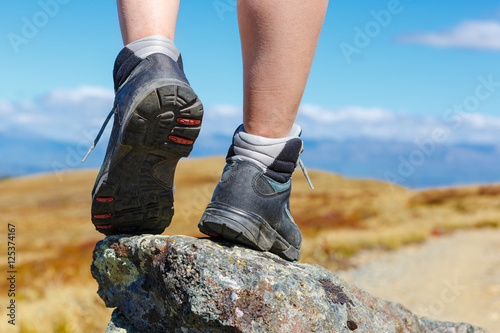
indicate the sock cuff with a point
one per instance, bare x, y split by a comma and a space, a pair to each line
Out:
263, 141
277, 157
154, 44
132, 55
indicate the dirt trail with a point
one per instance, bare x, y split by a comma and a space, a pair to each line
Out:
450, 278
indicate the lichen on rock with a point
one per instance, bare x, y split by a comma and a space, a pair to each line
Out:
186, 284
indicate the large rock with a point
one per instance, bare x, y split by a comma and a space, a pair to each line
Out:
185, 284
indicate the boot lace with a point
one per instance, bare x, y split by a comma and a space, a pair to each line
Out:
103, 127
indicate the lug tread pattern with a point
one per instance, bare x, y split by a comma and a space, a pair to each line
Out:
142, 203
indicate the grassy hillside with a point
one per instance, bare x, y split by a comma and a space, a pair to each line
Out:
55, 238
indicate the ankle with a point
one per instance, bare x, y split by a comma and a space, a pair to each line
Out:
277, 157
154, 44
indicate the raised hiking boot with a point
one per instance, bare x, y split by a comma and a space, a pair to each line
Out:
250, 205
157, 117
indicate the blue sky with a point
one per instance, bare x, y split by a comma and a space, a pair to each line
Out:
77, 47
409, 68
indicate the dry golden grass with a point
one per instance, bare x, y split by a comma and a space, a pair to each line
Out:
54, 243
55, 238
63, 308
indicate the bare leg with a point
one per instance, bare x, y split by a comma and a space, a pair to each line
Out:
157, 123
143, 18
278, 40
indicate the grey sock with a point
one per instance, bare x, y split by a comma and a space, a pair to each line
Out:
271, 154
154, 44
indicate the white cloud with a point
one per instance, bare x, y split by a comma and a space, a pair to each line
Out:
478, 35
6, 108
354, 122
83, 94
220, 119
226, 110
480, 122
347, 113
63, 114
75, 115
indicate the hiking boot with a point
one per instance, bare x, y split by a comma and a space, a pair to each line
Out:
250, 205
157, 117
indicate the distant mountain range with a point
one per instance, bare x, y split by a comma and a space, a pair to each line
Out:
403, 163
53, 132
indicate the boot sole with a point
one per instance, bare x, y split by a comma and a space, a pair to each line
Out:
136, 195
235, 225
